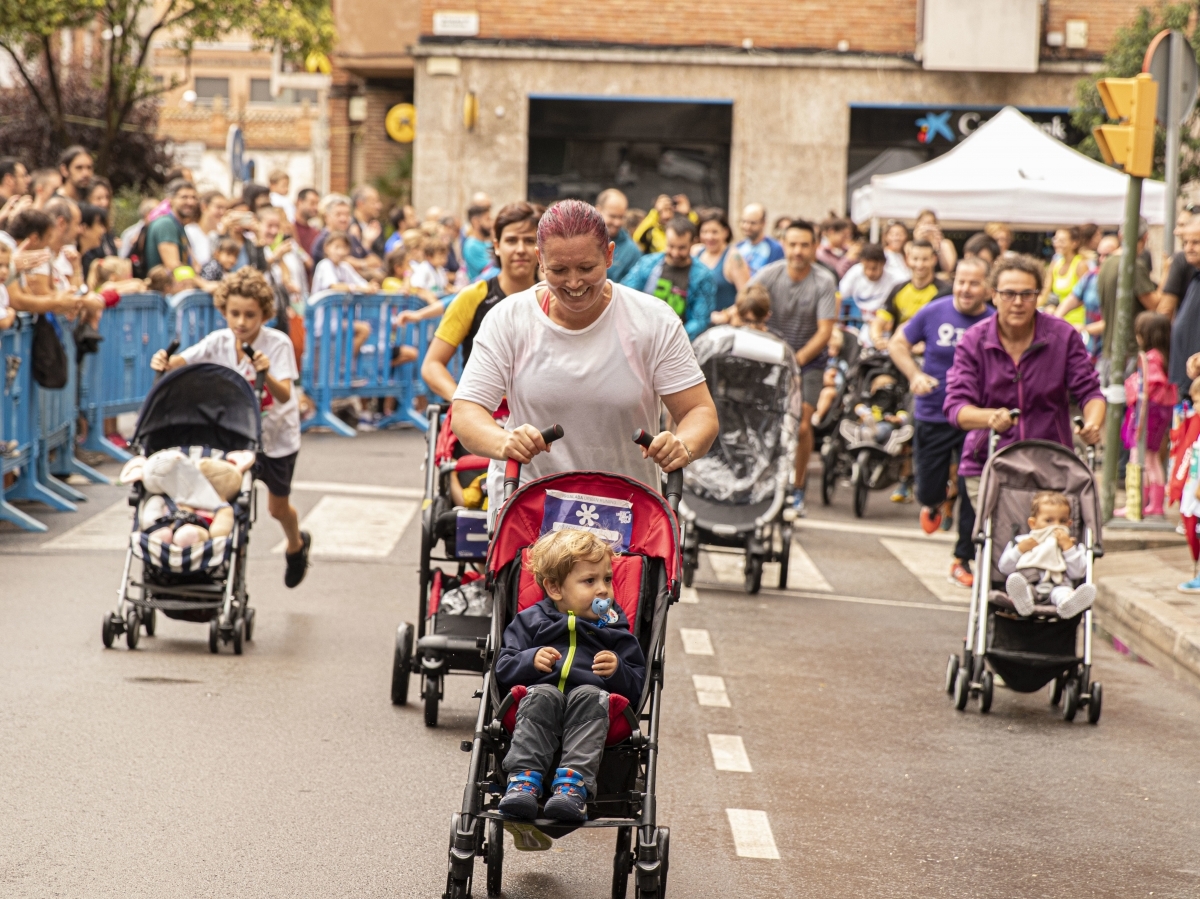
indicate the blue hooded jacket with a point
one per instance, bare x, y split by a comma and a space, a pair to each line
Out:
578, 640
702, 290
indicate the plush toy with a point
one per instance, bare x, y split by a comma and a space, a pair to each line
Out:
222, 523
131, 472
224, 477
242, 460
172, 473
189, 535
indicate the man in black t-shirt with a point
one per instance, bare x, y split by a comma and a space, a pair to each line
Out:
1181, 301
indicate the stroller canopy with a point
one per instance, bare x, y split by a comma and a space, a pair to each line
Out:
1015, 473
754, 381
653, 529
200, 405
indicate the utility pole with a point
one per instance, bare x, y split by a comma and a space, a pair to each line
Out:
1129, 144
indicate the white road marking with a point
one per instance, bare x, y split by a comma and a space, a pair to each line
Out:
729, 753
803, 573
729, 568
344, 489
752, 837
866, 600
710, 691
107, 529
345, 527
689, 595
931, 564
696, 641
874, 530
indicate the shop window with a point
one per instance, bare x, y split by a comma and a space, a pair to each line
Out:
260, 92
208, 89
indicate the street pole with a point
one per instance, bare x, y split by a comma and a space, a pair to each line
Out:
1178, 46
1114, 392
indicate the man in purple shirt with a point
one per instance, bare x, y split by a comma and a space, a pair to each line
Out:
1019, 359
940, 325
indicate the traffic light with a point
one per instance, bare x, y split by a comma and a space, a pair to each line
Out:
1131, 143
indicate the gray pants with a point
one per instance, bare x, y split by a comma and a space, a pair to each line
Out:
547, 719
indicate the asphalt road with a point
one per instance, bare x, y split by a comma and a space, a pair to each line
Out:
286, 772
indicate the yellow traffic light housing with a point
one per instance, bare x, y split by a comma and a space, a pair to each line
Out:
1131, 143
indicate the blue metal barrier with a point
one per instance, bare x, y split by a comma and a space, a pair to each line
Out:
18, 437
117, 378
330, 370
57, 416
192, 317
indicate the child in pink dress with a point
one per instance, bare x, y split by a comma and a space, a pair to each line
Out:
1149, 401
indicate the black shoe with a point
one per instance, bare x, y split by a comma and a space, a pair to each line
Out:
297, 562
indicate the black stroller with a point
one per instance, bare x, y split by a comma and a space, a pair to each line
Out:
645, 583
1028, 653
870, 454
204, 410
735, 495
455, 608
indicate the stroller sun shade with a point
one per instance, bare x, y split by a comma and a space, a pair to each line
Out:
200, 405
754, 383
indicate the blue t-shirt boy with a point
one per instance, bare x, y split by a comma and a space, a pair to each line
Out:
940, 326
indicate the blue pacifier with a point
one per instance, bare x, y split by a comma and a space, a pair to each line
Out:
601, 607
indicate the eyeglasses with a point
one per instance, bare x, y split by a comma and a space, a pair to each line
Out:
1009, 296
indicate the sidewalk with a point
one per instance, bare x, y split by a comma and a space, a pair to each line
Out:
1137, 602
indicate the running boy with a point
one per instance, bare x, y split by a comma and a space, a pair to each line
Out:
246, 301
1048, 557
571, 650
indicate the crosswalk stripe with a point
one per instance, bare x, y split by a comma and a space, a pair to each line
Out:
341, 488
710, 691
107, 529
803, 573
873, 530
689, 595
930, 563
355, 527
696, 641
752, 837
729, 753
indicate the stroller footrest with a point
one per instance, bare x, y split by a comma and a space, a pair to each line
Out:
437, 644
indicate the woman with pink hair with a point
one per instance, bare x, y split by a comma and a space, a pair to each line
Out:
597, 358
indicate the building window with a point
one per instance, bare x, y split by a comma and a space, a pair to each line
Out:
260, 92
207, 89
579, 146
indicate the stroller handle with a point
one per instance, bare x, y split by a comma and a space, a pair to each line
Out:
994, 437
674, 489
171, 348
1089, 449
512, 469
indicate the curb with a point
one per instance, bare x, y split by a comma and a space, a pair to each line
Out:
1150, 627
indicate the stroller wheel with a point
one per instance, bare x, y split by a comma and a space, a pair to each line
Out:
828, 477
150, 620
622, 862
664, 856
108, 630
432, 688
1070, 700
986, 684
754, 566
951, 674
1094, 703
495, 856
962, 689
1056, 691
239, 634
249, 625
785, 555
402, 664
214, 635
133, 628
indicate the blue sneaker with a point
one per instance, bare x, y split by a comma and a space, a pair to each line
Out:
569, 802
798, 502
1192, 586
521, 798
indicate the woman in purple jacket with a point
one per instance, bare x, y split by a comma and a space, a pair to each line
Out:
1019, 359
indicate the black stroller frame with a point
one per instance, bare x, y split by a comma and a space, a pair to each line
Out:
1027, 652
217, 596
845, 456
626, 781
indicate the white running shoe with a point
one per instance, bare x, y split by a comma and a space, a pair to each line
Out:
1079, 601
1018, 591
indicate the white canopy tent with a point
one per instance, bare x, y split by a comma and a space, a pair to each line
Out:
1009, 170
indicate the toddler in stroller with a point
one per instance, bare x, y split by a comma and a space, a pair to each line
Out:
1048, 556
566, 705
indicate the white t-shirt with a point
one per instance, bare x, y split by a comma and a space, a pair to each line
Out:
4, 304
280, 201
281, 426
601, 383
199, 243
869, 295
424, 276
327, 274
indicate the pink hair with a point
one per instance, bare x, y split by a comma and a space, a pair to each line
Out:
572, 218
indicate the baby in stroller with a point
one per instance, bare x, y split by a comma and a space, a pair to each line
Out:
884, 411
547, 648
1041, 564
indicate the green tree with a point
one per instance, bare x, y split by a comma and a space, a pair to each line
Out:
29, 32
1124, 60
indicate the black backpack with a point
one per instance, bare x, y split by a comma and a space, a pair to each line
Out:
49, 357
137, 255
